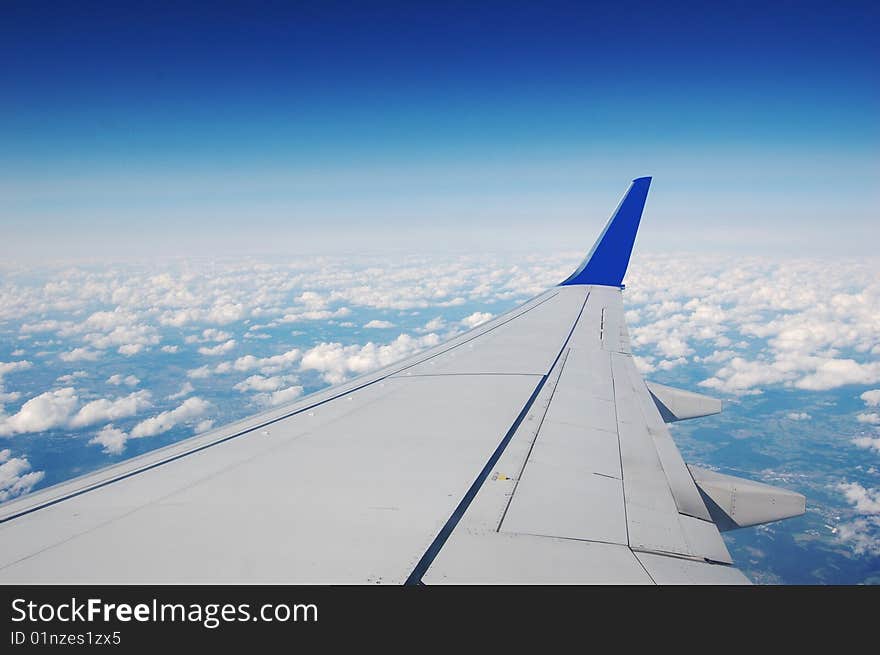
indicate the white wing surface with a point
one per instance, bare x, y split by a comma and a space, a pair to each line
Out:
528, 450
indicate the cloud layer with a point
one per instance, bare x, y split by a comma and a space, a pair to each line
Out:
115, 356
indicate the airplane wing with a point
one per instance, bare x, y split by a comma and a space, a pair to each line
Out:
528, 450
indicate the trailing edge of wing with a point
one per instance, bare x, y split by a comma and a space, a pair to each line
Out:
606, 263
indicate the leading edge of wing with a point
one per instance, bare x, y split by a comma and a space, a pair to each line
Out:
607, 261
128, 467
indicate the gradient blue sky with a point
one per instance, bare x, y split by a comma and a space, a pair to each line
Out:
335, 127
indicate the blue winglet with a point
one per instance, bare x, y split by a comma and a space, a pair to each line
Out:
607, 261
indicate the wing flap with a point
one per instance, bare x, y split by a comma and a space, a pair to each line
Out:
504, 558
666, 570
737, 502
653, 472
680, 404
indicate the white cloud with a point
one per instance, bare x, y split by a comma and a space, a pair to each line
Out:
278, 397
266, 365
668, 364
873, 418
871, 398
260, 383
108, 321
673, 346
221, 293
862, 534
70, 378
130, 349
124, 336
104, 409
866, 501
271, 389
337, 362
798, 416
112, 439
475, 319
223, 313
60, 408
717, 357
170, 349
314, 315
219, 349
190, 409
379, 324
199, 373
869, 443
203, 426
7, 397
50, 325
81, 354
48, 410
186, 389
312, 299
833, 373
434, 325
9, 367
16, 477
213, 334
128, 380
180, 317
209, 334
809, 325
644, 364
740, 375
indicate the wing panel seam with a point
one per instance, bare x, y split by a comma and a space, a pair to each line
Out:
532, 445
424, 563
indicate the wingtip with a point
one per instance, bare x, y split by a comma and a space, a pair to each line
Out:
608, 260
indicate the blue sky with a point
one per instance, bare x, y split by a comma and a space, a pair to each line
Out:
333, 127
